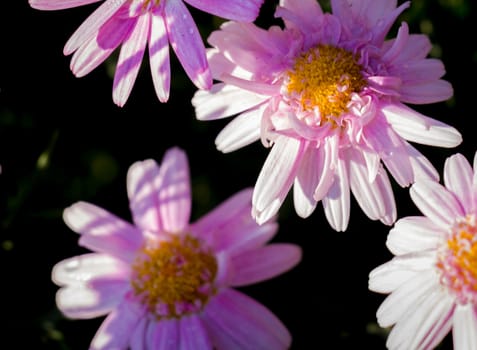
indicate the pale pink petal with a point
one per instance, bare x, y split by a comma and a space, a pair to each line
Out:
427, 92
94, 51
416, 127
276, 177
160, 197
391, 275
308, 177
424, 325
375, 198
102, 231
91, 26
428, 69
163, 335
223, 101
325, 159
84, 268
58, 4
159, 59
458, 177
115, 331
421, 166
130, 59
247, 323
392, 150
417, 46
436, 202
241, 131
336, 203
193, 334
186, 42
465, 324
243, 11
82, 302
413, 234
407, 296
299, 13
264, 263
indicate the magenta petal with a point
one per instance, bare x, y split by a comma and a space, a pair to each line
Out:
163, 335
115, 331
264, 263
245, 322
193, 334
187, 43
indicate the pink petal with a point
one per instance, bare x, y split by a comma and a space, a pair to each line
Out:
193, 334
458, 177
138, 335
436, 202
82, 269
375, 197
242, 11
336, 203
160, 197
115, 331
421, 166
130, 58
241, 131
92, 25
276, 177
94, 51
58, 4
102, 231
223, 101
159, 58
307, 179
427, 92
416, 127
163, 335
264, 263
187, 43
234, 318
301, 13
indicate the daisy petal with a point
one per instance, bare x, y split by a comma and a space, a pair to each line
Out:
458, 177
465, 324
101, 231
58, 5
264, 263
241, 11
436, 202
193, 335
129, 61
258, 328
164, 335
186, 42
116, 329
159, 58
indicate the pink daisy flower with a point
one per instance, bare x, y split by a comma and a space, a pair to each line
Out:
135, 24
165, 283
329, 93
432, 280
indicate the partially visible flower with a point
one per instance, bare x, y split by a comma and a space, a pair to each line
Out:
432, 280
329, 93
165, 283
135, 24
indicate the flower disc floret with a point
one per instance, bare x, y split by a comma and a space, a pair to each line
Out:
324, 78
457, 260
174, 278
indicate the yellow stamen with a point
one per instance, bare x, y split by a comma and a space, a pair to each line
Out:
174, 277
324, 78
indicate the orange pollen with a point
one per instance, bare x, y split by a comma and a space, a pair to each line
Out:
324, 78
457, 260
175, 277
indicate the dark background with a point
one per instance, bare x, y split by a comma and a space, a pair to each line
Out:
62, 140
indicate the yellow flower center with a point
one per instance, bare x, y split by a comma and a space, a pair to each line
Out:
324, 79
175, 277
457, 260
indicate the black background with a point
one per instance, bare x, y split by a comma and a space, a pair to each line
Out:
62, 140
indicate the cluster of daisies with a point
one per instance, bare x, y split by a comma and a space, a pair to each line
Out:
328, 93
